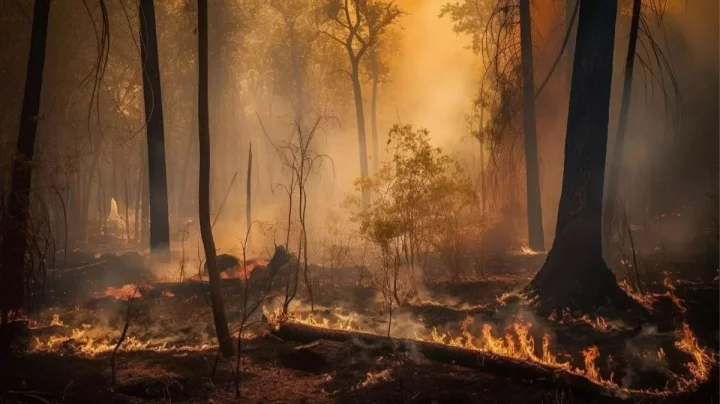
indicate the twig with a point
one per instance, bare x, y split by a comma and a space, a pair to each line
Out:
222, 205
122, 337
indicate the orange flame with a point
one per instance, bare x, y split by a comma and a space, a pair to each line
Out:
124, 293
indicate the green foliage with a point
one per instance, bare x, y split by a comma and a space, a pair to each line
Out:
415, 196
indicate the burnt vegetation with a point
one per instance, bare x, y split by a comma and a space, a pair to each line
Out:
340, 201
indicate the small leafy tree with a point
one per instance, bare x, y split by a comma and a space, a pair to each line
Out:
417, 198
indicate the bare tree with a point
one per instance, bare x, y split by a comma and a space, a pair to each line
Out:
159, 226
14, 240
218, 308
356, 25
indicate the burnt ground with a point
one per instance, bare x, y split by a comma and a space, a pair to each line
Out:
175, 355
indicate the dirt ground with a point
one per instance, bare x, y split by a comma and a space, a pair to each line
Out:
179, 353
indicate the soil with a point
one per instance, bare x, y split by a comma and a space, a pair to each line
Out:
178, 365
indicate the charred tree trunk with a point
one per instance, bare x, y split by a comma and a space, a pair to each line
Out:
360, 112
218, 308
536, 237
159, 222
574, 274
373, 109
570, 48
616, 162
14, 241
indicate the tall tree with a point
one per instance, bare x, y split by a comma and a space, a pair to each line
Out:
14, 240
359, 24
536, 237
159, 226
218, 307
574, 274
612, 186
375, 75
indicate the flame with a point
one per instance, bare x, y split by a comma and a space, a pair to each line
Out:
661, 354
87, 342
168, 293
667, 282
646, 300
702, 361
56, 321
374, 378
525, 250
124, 293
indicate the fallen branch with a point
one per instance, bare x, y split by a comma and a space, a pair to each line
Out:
484, 361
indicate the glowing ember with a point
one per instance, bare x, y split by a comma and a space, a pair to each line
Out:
168, 293
124, 293
374, 378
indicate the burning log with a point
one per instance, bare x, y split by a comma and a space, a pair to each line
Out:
446, 354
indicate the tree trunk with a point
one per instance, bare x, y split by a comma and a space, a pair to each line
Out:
159, 222
574, 274
373, 111
218, 308
14, 241
536, 237
359, 110
616, 162
570, 48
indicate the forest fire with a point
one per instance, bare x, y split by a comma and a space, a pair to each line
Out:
454, 201
518, 344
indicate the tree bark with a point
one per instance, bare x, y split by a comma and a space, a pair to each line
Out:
360, 112
218, 308
570, 48
14, 241
616, 162
373, 110
574, 274
159, 221
536, 238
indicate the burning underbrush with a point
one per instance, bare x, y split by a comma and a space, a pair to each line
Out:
432, 326
648, 364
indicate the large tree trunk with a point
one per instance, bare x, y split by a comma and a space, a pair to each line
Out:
536, 237
159, 222
218, 308
616, 162
360, 112
14, 241
373, 110
574, 274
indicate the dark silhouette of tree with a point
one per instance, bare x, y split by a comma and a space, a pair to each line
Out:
14, 240
159, 226
612, 186
536, 237
218, 307
575, 274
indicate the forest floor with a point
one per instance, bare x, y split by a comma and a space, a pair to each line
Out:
62, 353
